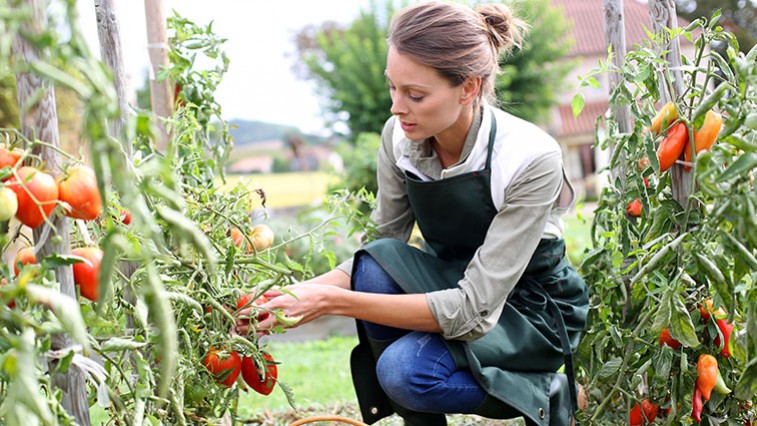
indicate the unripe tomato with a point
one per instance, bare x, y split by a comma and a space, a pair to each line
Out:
25, 256
252, 374
41, 186
262, 237
86, 274
79, 190
9, 157
8, 204
224, 366
237, 237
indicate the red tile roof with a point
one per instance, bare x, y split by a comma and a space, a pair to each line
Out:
568, 125
588, 24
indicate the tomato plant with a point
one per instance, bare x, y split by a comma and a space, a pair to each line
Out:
164, 282
667, 283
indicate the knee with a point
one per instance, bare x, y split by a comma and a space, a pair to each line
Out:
370, 277
405, 378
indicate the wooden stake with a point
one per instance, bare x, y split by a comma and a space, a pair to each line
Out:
663, 14
161, 93
40, 122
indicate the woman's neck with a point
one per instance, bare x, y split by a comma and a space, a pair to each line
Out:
449, 144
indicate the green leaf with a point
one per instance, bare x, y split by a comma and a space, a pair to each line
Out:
610, 368
65, 308
746, 388
118, 344
681, 326
188, 230
664, 312
740, 167
663, 362
577, 104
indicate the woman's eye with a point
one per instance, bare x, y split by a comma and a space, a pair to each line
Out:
414, 98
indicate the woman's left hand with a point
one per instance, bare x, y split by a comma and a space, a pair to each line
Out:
300, 304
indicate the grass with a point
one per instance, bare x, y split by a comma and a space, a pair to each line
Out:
284, 190
317, 371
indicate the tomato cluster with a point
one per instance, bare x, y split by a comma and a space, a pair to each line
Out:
226, 366
31, 194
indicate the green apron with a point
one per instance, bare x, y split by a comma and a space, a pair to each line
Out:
538, 329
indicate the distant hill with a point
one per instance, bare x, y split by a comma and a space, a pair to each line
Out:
248, 132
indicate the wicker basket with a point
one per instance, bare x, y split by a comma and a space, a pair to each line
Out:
338, 419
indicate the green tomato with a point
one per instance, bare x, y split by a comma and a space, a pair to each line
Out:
8, 204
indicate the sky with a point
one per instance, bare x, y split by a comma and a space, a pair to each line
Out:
260, 84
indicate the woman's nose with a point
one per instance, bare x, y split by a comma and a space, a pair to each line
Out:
398, 106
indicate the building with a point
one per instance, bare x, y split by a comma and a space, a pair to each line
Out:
576, 135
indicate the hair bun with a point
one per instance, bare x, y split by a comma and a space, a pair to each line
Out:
505, 30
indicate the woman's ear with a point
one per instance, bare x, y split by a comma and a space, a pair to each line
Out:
471, 89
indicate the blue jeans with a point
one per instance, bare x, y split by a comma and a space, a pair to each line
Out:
416, 370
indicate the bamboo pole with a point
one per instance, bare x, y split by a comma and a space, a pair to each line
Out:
663, 15
161, 95
615, 36
39, 121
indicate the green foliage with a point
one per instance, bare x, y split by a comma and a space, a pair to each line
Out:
532, 76
359, 164
652, 272
348, 66
739, 16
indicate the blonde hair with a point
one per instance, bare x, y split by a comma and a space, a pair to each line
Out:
456, 40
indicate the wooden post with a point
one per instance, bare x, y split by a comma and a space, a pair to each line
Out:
663, 15
40, 122
615, 36
161, 93
112, 54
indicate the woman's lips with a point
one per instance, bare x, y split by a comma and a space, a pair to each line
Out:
407, 126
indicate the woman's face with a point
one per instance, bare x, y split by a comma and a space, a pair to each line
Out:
425, 103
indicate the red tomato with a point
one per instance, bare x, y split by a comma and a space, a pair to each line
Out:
223, 365
25, 256
86, 274
11, 304
667, 339
125, 216
245, 301
634, 208
635, 417
79, 190
9, 157
251, 374
40, 185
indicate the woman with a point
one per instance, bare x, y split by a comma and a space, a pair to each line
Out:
480, 321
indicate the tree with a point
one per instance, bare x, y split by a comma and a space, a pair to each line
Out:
348, 66
739, 17
533, 75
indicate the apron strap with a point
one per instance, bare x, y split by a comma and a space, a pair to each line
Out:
492, 136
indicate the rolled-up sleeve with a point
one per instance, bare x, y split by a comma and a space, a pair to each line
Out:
471, 310
393, 215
